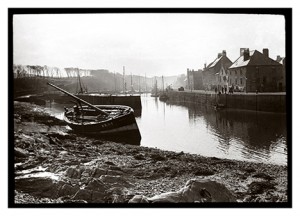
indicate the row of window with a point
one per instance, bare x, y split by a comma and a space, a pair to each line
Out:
236, 72
235, 81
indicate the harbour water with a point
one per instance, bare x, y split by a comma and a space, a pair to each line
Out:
233, 134
191, 128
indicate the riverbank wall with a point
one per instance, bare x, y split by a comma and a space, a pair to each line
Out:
257, 102
133, 101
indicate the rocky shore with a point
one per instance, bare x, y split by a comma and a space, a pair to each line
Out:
54, 165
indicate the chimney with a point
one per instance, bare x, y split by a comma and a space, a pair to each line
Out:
187, 70
219, 55
266, 52
246, 54
278, 59
204, 65
242, 51
224, 53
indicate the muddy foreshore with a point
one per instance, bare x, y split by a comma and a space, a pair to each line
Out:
53, 165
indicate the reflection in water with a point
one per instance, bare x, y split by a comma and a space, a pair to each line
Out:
196, 129
234, 134
257, 135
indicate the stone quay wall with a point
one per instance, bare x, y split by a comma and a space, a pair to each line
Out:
265, 102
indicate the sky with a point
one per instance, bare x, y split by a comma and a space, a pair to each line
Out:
151, 44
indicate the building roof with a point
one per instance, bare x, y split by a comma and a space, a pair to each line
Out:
255, 58
240, 61
282, 60
215, 62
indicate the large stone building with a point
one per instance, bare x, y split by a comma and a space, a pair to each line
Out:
215, 74
194, 79
255, 71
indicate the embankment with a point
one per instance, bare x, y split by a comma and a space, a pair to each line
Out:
265, 102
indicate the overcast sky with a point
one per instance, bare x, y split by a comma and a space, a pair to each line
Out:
155, 44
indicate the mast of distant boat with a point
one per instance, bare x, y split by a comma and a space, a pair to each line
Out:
155, 86
124, 82
162, 78
79, 82
115, 82
139, 83
131, 84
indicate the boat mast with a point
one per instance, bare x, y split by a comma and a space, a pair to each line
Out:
139, 83
162, 78
124, 82
79, 99
131, 83
115, 82
145, 83
155, 86
79, 82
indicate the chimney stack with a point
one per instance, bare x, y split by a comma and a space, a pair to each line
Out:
242, 51
224, 53
278, 59
204, 65
246, 54
266, 52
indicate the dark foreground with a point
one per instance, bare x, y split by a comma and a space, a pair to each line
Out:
53, 165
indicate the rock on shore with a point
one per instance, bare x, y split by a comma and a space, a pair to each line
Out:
53, 165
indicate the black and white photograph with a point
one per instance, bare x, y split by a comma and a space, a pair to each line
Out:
158, 107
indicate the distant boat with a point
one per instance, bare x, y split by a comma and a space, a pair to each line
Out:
154, 90
163, 96
110, 97
102, 120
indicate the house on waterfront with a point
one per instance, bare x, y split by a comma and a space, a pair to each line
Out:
255, 71
281, 60
194, 79
215, 74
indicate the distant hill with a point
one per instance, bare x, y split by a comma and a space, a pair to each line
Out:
100, 80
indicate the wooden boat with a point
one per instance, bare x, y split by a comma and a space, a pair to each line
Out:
114, 121
154, 90
163, 96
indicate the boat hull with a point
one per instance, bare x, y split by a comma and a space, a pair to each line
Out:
122, 127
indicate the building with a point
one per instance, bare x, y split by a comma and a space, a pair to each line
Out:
194, 79
255, 71
215, 75
281, 60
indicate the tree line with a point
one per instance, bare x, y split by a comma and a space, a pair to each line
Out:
21, 71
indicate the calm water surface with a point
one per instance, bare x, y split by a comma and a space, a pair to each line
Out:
232, 134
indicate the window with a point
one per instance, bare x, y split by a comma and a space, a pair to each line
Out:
241, 80
235, 72
236, 81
